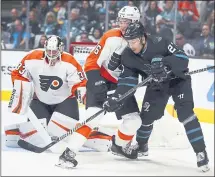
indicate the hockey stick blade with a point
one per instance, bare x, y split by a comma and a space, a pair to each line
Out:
30, 147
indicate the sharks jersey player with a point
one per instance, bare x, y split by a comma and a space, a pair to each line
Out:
149, 55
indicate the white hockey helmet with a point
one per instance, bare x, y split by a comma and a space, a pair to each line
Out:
130, 12
53, 49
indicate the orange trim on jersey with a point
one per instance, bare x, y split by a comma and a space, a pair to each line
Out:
106, 75
66, 57
19, 105
91, 61
124, 136
61, 126
81, 84
84, 130
33, 55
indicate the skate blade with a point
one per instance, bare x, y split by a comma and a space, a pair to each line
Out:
143, 154
204, 168
120, 155
65, 167
114, 153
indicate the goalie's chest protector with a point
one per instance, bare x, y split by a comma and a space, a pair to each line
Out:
51, 84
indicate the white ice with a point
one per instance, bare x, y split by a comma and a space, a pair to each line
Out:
161, 161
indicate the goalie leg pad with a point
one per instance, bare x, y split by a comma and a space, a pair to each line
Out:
24, 131
58, 125
131, 123
21, 97
99, 141
95, 122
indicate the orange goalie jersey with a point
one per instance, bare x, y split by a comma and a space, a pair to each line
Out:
112, 41
52, 84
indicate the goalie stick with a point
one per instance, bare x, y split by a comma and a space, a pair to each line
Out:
30, 147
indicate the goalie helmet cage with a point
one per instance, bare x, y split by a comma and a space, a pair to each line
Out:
168, 132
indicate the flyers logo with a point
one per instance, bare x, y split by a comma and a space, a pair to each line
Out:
52, 82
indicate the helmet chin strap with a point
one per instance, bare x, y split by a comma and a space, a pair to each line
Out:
144, 44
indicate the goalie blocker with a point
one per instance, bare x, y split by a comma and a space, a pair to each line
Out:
21, 97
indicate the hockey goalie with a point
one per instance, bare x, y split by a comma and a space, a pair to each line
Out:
47, 85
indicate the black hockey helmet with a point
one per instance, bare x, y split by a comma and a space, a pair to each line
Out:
134, 30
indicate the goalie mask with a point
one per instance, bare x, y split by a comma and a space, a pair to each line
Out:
53, 49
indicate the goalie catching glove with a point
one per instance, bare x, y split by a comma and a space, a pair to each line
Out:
112, 105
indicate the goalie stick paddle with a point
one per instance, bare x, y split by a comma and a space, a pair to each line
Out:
30, 147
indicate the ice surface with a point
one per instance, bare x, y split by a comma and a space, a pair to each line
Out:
161, 161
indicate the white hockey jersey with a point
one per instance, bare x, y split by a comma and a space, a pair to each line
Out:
112, 41
52, 84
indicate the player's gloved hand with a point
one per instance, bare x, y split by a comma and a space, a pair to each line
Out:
97, 85
112, 105
159, 71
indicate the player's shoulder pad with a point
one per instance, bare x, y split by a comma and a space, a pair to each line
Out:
35, 54
68, 58
155, 39
115, 32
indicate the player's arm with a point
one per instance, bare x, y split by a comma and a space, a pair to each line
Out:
21, 73
77, 80
23, 90
96, 83
176, 59
127, 80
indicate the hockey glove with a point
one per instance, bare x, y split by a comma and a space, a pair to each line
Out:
159, 71
111, 105
97, 85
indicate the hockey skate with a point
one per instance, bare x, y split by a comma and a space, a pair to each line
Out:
67, 160
128, 151
143, 150
202, 161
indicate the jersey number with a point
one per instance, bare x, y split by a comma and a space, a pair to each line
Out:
97, 49
21, 68
171, 48
81, 75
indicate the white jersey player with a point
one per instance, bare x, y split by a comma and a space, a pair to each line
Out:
102, 68
47, 82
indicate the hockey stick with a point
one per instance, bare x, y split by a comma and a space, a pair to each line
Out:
199, 70
38, 126
36, 149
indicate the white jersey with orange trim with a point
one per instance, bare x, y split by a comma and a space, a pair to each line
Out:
112, 41
52, 84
